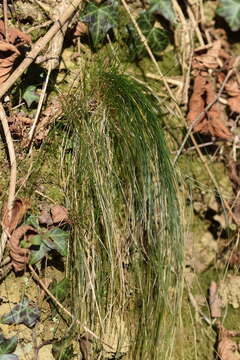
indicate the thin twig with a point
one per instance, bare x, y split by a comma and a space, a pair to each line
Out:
13, 175
39, 108
5, 16
46, 23
39, 46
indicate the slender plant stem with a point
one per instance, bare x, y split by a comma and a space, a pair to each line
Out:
5, 9
40, 104
39, 46
13, 175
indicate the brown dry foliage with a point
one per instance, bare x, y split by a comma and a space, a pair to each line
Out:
209, 123
10, 51
19, 255
214, 300
19, 209
227, 349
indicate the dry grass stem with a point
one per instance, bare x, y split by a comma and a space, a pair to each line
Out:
13, 175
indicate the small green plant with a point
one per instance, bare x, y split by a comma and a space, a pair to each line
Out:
22, 313
230, 11
30, 95
100, 19
45, 241
157, 39
7, 346
164, 8
105, 17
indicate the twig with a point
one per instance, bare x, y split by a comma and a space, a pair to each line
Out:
39, 108
195, 25
46, 23
5, 16
39, 46
196, 307
13, 175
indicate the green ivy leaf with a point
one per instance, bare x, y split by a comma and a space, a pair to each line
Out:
35, 240
22, 313
100, 19
38, 255
7, 345
30, 95
33, 221
164, 8
157, 38
230, 11
59, 238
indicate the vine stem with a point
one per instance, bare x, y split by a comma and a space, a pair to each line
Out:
13, 176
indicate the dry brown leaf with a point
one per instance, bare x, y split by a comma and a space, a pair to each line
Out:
214, 300
59, 214
210, 122
234, 103
232, 88
9, 49
19, 255
227, 349
20, 207
196, 103
208, 60
215, 126
80, 29
8, 55
45, 218
15, 36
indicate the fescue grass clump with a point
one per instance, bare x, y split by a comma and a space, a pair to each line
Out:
126, 248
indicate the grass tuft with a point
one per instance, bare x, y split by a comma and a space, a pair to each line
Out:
126, 251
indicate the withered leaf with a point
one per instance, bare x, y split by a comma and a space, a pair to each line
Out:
214, 300
234, 103
209, 122
19, 255
9, 50
19, 209
59, 214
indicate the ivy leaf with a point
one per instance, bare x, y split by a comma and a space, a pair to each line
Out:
22, 313
100, 19
59, 238
7, 345
157, 38
33, 221
38, 255
9, 357
30, 95
164, 8
230, 11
